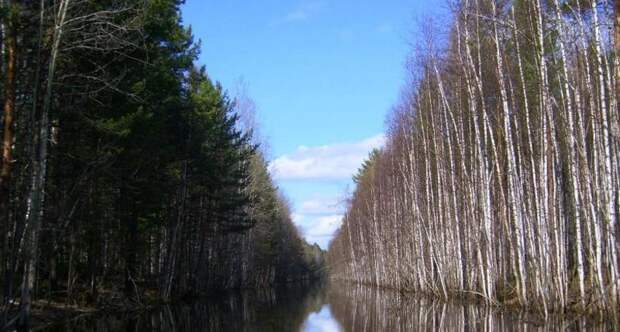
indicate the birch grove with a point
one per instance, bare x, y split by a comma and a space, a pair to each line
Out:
499, 179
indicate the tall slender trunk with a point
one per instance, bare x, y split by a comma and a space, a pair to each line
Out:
570, 149
36, 196
617, 49
609, 191
615, 118
512, 176
455, 213
9, 47
9, 112
483, 166
543, 244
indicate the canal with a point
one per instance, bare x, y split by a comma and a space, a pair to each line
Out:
334, 307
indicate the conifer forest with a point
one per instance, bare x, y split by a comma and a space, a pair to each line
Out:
125, 167
131, 178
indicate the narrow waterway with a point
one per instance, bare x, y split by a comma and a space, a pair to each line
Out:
334, 307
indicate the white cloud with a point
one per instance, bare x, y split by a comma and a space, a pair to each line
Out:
297, 218
319, 230
322, 321
302, 12
318, 217
321, 206
328, 162
324, 226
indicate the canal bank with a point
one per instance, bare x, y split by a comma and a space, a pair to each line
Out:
326, 307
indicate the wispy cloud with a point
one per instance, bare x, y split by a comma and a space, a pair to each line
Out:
321, 206
303, 12
318, 219
324, 226
318, 230
337, 161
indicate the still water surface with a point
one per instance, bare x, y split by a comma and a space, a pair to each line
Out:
319, 308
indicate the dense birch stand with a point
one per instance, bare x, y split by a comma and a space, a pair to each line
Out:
500, 177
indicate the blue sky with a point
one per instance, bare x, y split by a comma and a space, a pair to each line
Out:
323, 75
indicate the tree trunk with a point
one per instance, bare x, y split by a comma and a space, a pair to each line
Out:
10, 48
9, 115
36, 196
130, 225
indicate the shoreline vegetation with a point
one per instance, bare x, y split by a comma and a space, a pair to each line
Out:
130, 177
500, 175
46, 313
474, 299
282, 307
364, 308
126, 168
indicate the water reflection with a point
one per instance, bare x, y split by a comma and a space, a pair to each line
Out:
322, 321
318, 308
283, 309
360, 308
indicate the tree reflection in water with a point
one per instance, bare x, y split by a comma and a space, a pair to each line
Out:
322, 308
360, 308
282, 309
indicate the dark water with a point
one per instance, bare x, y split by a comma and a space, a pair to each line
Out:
319, 308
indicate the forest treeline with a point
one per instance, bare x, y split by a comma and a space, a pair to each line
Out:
499, 179
125, 168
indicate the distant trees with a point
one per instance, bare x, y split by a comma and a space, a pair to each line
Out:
124, 167
500, 176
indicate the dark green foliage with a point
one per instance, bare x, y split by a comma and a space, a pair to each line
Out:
150, 183
366, 170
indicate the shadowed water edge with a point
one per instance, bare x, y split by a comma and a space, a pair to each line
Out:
318, 307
